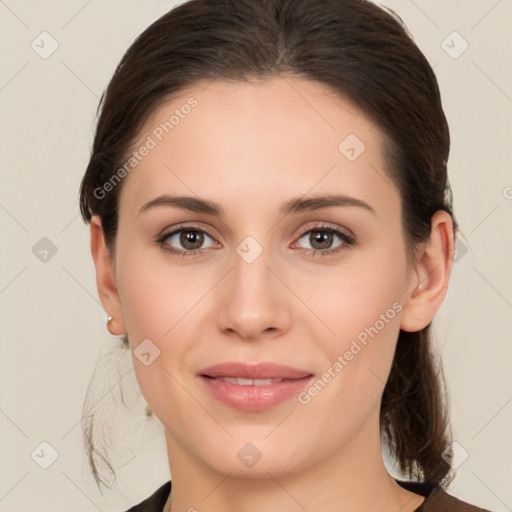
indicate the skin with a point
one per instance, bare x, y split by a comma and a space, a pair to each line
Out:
251, 147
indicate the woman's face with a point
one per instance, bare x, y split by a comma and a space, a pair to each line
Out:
245, 285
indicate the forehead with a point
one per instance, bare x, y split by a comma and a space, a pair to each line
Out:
258, 141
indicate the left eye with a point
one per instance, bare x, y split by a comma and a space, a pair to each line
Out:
321, 239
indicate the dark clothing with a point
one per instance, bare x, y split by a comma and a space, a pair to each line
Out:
436, 499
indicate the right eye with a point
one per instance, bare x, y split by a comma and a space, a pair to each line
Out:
189, 240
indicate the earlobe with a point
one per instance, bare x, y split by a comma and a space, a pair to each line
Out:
114, 327
433, 269
105, 278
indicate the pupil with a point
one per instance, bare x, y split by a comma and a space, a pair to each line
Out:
191, 239
322, 238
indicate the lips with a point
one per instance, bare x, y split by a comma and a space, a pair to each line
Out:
254, 371
253, 387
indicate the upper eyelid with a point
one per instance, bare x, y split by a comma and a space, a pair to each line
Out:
327, 227
169, 231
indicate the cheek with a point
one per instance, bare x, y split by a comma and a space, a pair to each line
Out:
354, 296
363, 308
161, 303
156, 296
158, 302
147, 305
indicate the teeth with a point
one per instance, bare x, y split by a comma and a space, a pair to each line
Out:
249, 382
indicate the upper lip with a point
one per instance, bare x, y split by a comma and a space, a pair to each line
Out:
254, 371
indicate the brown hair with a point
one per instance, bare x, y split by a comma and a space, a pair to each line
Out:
365, 54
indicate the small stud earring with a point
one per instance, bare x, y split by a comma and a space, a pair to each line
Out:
109, 326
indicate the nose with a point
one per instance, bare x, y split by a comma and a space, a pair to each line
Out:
254, 303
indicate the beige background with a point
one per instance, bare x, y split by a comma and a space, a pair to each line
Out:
52, 325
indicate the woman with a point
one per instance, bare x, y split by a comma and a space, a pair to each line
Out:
273, 234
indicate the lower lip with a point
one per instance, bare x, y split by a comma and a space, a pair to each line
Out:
254, 398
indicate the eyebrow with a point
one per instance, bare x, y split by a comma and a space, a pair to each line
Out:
296, 205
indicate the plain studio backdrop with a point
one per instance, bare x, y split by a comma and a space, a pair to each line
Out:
57, 57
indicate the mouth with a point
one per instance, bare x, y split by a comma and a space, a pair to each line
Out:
241, 381
253, 387
254, 372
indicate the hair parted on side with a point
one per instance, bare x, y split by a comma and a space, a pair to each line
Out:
365, 54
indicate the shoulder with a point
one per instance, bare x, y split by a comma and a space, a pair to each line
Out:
155, 502
440, 501
437, 499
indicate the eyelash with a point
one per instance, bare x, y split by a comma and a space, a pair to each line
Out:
348, 240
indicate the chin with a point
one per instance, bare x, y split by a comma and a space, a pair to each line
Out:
258, 458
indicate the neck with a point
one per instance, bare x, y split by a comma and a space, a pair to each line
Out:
353, 478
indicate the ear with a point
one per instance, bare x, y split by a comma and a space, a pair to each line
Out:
430, 281
105, 278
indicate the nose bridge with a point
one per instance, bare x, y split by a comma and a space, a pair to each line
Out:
251, 262
252, 302
251, 278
